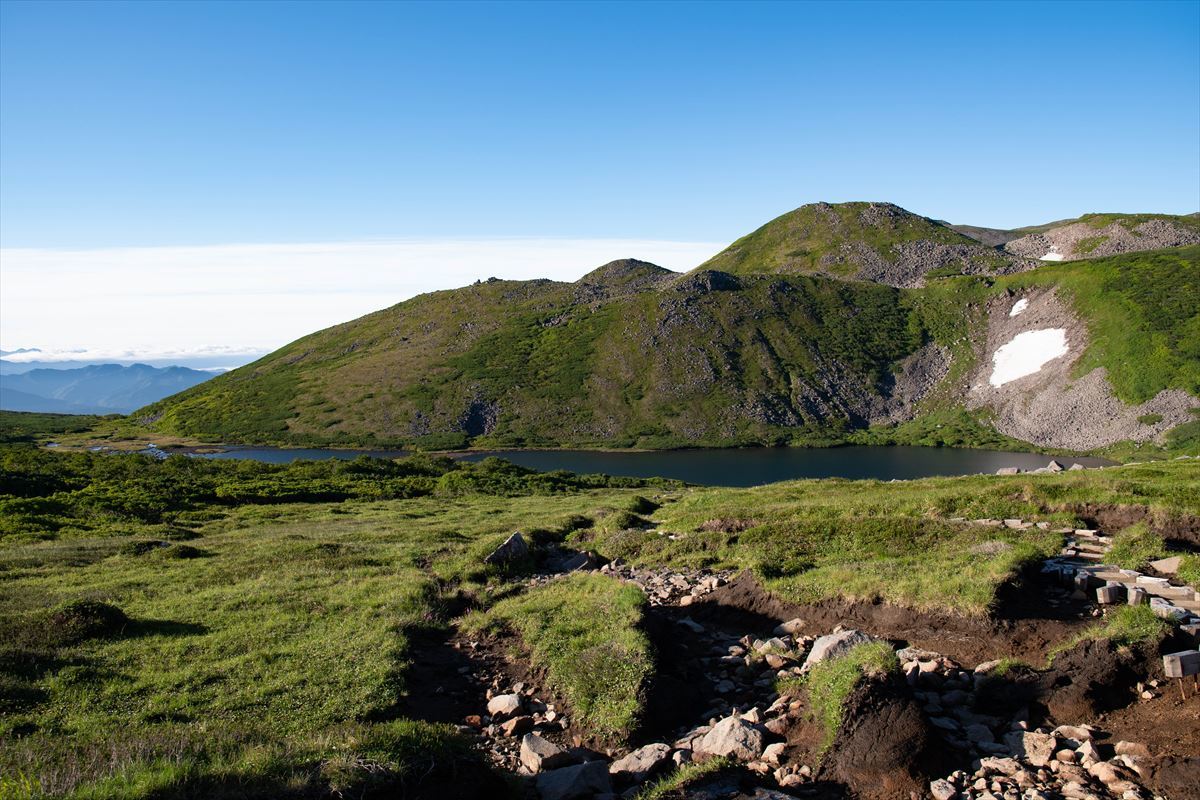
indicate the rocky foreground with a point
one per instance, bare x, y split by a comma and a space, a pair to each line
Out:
934, 727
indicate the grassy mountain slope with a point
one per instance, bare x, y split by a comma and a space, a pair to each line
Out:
705, 358
635, 355
1143, 313
840, 239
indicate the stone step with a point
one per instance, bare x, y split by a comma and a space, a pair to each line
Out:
1115, 576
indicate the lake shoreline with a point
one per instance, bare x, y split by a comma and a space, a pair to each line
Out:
721, 466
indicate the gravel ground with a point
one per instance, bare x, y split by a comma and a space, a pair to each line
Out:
1048, 407
1151, 235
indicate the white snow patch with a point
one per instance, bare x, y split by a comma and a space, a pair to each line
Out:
1051, 256
1018, 307
1027, 353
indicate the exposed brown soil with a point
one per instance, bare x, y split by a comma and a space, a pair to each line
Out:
436, 689
679, 692
1167, 724
1013, 630
1097, 676
1175, 778
886, 748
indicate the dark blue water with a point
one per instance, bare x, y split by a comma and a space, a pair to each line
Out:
741, 467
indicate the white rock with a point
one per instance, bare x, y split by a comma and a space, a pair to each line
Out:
504, 705
574, 783
1036, 748
943, 790
538, 754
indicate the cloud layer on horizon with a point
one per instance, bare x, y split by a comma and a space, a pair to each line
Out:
246, 299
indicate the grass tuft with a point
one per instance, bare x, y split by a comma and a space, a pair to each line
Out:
1135, 546
1124, 627
682, 778
584, 631
830, 683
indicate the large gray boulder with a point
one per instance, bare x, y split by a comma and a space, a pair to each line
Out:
1036, 748
834, 645
641, 763
574, 783
539, 755
733, 737
514, 548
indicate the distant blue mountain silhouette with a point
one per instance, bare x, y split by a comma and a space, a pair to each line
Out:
99, 389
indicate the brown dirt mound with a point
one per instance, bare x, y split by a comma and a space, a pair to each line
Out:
1016, 633
1097, 676
886, 748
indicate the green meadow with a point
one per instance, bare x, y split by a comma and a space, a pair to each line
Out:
187, 628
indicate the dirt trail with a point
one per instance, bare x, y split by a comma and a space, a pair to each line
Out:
720, 649
1032, 616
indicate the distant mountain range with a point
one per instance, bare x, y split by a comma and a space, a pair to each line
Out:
97, 389
14, 362
831, 322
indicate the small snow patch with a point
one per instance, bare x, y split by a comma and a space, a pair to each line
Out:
1027, 353
1018, 307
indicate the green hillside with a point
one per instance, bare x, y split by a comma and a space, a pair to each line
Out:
1103, 220
705, 358
837, 239
633, 355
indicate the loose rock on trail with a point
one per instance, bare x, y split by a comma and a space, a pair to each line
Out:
987, 729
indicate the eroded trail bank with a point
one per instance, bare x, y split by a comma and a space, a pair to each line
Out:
737, 707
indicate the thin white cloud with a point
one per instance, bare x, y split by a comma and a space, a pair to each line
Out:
40, 355
245, 299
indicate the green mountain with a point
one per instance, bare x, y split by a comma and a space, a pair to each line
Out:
634, 355
879, 242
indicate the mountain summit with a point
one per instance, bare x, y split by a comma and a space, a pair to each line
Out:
879, 242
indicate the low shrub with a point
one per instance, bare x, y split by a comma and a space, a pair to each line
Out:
87, 619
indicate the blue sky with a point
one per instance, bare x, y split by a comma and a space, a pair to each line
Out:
131, 132
154, 124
